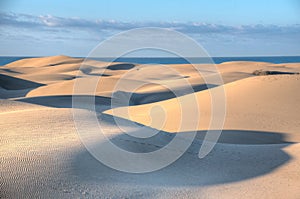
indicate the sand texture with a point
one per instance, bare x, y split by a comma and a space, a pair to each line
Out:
42, 156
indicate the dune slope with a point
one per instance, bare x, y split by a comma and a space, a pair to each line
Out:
42, 154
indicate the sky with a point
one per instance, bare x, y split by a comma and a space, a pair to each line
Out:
222, 27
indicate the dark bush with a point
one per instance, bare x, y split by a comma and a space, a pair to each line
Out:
267, 72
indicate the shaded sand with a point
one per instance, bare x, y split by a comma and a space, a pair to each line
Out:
41, 154
274, 99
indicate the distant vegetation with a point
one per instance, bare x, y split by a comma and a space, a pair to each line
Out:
267, 72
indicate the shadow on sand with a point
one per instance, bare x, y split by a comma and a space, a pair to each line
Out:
65, 101
15, 87
238, 155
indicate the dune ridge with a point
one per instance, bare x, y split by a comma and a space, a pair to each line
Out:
42, 155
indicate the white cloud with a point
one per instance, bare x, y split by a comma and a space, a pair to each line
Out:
30, 21
216, 38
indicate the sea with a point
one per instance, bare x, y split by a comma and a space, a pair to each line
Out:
177, 60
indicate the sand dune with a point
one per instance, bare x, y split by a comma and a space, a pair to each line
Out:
42, 155
45, 61
273, 98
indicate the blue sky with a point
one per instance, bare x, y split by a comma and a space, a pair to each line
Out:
222, 27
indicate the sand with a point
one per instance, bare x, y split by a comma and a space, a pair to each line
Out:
42, 156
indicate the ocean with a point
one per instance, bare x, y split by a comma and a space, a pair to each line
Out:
176, 60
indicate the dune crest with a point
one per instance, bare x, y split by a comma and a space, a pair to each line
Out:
43, 156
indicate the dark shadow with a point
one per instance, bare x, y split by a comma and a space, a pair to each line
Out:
10, 71
13, 87
225, 164
13, 83
145, 98
241, 155
8, 94
89, 71
67, 62
65, 101
125, 66
247, 137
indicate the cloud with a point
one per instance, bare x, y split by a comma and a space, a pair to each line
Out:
52, 22
217, 38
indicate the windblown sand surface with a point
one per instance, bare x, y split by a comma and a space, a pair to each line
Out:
41, 155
